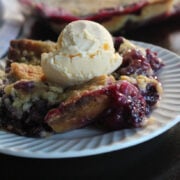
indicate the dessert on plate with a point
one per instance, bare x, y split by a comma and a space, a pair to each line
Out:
115, 15
85, 78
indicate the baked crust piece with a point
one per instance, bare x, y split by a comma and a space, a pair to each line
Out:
84, 103
29, 72
29, 51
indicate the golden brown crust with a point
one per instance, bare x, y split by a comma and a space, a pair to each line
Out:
92, 85
80, 113
29, 51
28, 72
83, 104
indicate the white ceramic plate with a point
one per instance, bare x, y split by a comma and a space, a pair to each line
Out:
11, 20
90, 141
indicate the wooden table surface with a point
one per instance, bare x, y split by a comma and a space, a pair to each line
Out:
157, 159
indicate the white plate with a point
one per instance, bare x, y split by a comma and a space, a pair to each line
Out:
10, 23
90, 141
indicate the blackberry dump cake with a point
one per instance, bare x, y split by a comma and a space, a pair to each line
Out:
115, 85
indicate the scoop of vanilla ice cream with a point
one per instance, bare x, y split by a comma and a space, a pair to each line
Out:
85, 50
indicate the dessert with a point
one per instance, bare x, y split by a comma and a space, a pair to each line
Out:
32, 104
115, 15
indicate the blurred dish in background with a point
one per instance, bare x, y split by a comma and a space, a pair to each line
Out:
10, 23
115, 15
1, 12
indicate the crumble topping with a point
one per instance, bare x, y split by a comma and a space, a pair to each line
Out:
29, 51
29, 72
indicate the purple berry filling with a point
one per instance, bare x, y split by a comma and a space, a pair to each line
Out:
127, 108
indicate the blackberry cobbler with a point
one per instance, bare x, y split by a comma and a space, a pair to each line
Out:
30, 105
115, 15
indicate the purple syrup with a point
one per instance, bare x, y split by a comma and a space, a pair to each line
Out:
24, 85
134, 62
117, 43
